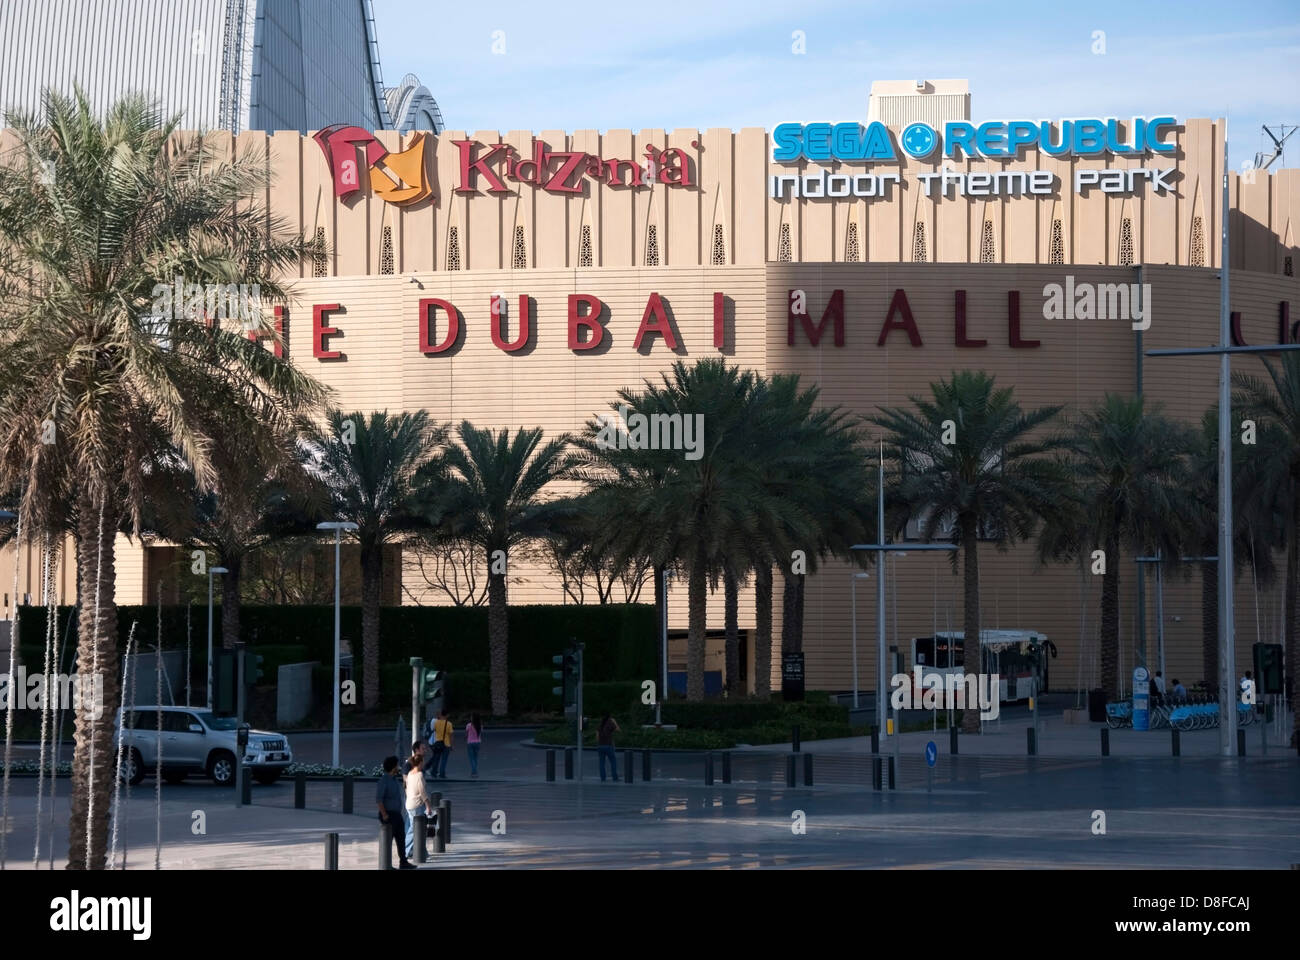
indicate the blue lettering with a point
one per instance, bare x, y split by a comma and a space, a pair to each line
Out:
991, 139
1113, 142
1020, 133
1152, 138
789, 140
846, 141
957, 134
878, 145
1045, 139
817, 141
1089, 138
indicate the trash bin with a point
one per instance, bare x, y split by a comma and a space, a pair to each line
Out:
1097, 706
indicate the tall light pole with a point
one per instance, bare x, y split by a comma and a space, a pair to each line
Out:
338, 526
211, 571
880, 548
853, 594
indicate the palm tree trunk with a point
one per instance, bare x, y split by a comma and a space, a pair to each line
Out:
763, 630
96, 657
697, 600
731, 599
789, 614
1110, 620
1209, 621
372, 581
498, 641
971, 649
230, 601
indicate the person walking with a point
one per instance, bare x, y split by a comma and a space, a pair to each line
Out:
442, 739
473, 738
421, 750
605, 746
389, 800
417, 797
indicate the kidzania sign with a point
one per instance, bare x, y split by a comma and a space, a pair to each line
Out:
565, 171
824, 143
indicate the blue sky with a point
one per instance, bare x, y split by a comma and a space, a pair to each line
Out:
722, 63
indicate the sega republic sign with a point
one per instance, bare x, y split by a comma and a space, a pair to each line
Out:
998, 140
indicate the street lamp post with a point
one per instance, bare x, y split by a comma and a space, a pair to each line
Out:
338, 526
211, 571
853, 594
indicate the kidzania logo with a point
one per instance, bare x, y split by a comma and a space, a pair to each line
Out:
793, 142
402, 180
563, 171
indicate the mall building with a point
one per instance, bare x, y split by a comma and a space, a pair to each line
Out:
917, 249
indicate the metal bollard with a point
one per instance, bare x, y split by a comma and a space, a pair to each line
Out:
1105, 741
726, 766
385, 846
875, 739
420, 826
708, 769
1241, 742
1031, 738
245, 787
568, 763
300, 791
876, 781
1174, 740
444, 820
347, 794
627, 766
891, 773
789, 770
807, 770
550, 766
439, 844
331, 851
952, 740
645, 765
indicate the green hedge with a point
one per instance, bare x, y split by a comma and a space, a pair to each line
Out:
639, 739
619, 638
744, 714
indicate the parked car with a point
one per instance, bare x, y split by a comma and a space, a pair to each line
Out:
194, 741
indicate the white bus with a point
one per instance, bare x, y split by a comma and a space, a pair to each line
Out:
1004, 652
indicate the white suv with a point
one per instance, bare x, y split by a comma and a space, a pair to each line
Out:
195, 741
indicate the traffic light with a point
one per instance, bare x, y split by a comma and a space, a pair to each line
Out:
225, 673
433, 688
252, 668
567, 675
1268, 668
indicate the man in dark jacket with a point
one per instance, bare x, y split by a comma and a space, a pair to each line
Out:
391, 804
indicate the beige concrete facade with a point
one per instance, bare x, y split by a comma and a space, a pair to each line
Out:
768, 249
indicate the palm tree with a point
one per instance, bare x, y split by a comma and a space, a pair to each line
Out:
488, 489
992, 474
1275, 402
1130, 493
95, 217
368, 464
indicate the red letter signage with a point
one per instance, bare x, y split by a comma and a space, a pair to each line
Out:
962, 339
500, 322
468, 165
258, 335
427, 307
661, 324
834, 312
320, 332
1013, 322
590, 321
899, 305
719, 320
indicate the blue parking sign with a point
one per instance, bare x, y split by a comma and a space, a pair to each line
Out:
931, 753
